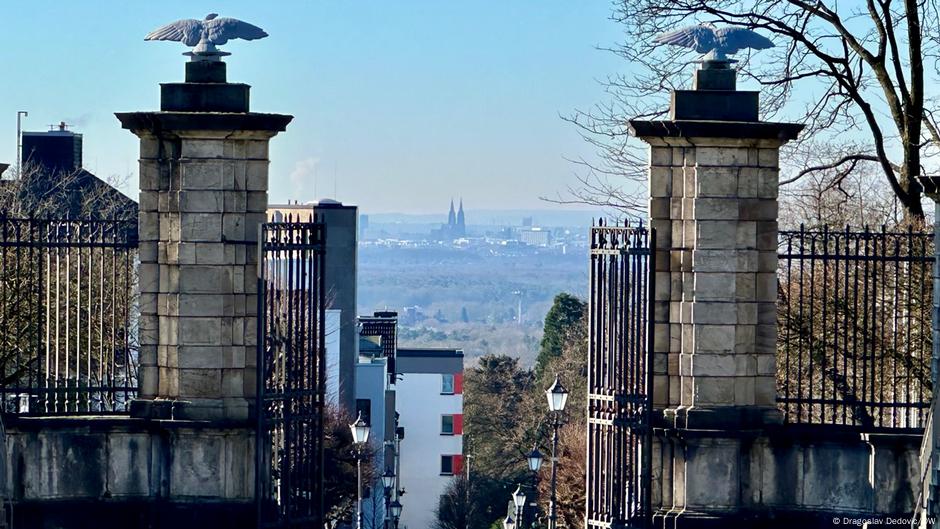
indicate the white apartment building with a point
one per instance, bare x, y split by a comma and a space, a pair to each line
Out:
429, 399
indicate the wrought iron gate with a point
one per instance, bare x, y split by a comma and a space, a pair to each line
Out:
620, 377
291, 375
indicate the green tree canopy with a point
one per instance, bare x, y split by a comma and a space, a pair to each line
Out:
560, 322
500, 427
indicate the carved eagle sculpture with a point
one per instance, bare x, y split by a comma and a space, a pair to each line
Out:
716, 44
205, 34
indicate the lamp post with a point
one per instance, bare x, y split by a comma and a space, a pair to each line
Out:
360, 432
557, 397
509, 523
518, 498
388, 481
396, 511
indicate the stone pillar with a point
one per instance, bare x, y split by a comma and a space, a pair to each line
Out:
203, 194
713, 182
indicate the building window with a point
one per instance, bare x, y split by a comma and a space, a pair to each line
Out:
447, 425
447, 384
451, 465
364, 410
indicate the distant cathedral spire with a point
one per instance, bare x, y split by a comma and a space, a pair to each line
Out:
451, 217
461, 220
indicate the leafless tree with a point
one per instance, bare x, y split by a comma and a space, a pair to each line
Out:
856, 73
53, 280
571, 474
35, 192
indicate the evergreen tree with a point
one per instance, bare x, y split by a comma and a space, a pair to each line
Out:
500, 423
562, 319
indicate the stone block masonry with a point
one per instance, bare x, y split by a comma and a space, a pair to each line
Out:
714, 205
203, 197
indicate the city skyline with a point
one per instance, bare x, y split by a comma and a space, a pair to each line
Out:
381, 119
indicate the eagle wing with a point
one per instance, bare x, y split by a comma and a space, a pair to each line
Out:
699, 38
732, 40
221, 30
188, 31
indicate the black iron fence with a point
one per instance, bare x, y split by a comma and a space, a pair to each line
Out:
291, 374
619, 463
854, 339
67, 316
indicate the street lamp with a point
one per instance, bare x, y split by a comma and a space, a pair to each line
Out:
388, 481
535, 459
360, 432
557, 397
388, 478
509, 523
518, 498
396, 511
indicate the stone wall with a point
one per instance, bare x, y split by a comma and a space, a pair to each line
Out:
124, 472
783, 476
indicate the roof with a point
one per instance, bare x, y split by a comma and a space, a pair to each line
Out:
430, 352
82, 185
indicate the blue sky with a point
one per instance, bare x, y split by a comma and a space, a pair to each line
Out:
398, 105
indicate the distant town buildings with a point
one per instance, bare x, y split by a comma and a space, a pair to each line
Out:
363, 226
536, 236
412, 315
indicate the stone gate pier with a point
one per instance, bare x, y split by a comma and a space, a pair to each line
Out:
185, 457
722, 453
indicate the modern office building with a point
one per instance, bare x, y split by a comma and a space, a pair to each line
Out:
429, 397
340, 268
